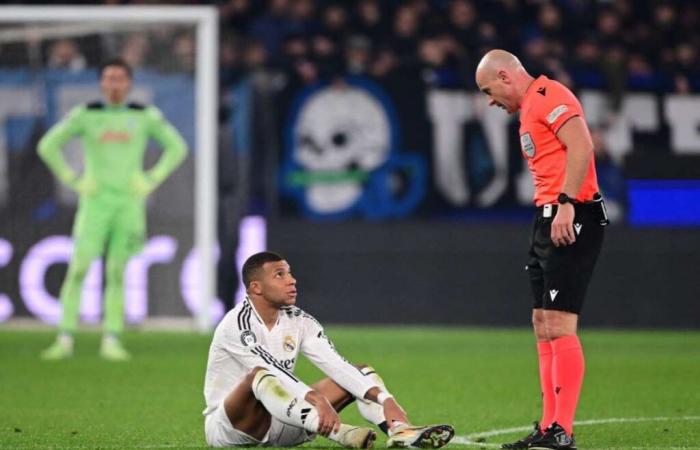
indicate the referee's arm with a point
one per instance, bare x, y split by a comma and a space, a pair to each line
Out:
575, 136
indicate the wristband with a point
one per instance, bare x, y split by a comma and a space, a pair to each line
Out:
382, 397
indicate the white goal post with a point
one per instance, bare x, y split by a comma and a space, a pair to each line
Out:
206, 21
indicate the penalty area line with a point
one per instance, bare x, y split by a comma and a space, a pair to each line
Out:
475, 439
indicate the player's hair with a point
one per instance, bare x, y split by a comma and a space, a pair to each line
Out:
253, 265
116, 62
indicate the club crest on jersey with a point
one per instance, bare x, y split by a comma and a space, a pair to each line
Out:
248, 338
289, 344
527, 144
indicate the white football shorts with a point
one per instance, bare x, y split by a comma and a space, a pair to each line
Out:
220, 433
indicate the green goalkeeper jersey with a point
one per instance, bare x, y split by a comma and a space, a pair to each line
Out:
114, 139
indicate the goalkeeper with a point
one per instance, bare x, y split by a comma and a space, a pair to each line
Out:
113, 188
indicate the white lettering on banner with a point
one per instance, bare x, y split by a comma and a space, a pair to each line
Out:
448, 111
682, 112
638, 112
45, 253
252, 238
6, 308
158, 250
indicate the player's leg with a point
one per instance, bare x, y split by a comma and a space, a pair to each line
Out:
89, 235
401, 433
127, 239
285, 409
339, 398
566, 282
111, 347
539, 244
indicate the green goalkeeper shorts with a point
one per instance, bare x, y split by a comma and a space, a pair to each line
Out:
109, 223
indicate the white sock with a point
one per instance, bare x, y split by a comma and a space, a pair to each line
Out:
109, 339
287, 408
65, 340
373, 412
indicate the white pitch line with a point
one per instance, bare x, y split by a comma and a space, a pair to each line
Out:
472, 439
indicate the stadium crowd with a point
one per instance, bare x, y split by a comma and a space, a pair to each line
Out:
614, 45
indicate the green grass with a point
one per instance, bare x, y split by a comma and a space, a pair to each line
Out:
476, 379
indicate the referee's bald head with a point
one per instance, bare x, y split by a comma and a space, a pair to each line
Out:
496, 60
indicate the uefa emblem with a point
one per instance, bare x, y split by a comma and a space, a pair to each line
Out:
248, 338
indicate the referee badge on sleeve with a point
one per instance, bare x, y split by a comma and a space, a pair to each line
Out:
528, 145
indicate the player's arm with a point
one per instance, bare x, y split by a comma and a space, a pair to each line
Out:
51, 146
579, 151
316, 346
243, 346
174, 146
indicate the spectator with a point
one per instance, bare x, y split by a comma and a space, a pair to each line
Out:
65, 54
370, 20
358, 50
335, 22
272, 27
405, 32
135, 50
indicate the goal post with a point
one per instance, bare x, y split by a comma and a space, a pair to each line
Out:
205, 21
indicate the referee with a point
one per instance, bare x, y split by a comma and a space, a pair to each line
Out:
567, 232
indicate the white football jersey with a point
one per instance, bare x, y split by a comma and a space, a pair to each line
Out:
242, 341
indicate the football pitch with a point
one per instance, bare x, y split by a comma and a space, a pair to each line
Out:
642, 389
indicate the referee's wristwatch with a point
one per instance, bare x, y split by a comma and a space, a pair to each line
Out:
563, 198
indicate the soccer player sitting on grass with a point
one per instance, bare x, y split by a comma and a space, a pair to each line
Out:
253, 397
113, 188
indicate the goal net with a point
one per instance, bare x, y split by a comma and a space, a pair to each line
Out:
49, 58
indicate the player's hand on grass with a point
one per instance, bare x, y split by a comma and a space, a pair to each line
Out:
328, 419
141, 186
393, 412
84, 186
563, 226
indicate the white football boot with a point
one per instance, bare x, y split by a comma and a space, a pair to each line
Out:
355, 437
432, 436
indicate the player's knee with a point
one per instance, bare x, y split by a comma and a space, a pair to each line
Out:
559, 323
537, 319
115, 274
250, 376
78, 269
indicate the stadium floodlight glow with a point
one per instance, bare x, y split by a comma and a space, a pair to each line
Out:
205, 19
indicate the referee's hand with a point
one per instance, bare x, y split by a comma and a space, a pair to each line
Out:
563, 226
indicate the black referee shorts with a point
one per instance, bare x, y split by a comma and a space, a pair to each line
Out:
559, 276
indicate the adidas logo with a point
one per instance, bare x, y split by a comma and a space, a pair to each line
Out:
542, 91
304, 413
577, 227
553, 294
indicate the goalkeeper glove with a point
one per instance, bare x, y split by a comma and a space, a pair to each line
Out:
141, 185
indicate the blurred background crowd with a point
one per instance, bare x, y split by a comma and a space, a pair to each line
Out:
272, 50
613, 45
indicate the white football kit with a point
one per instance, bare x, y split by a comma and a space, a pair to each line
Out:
242, 342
